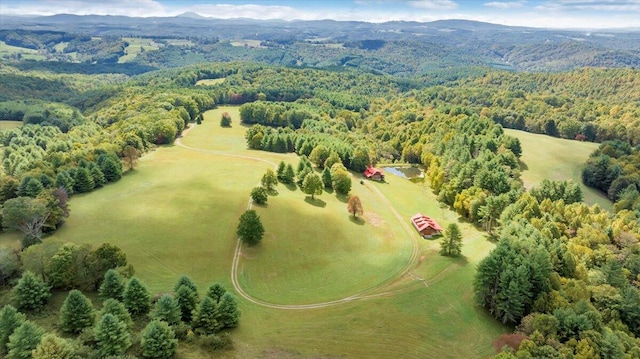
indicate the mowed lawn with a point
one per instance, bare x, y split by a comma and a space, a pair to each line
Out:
557, 159
177, 213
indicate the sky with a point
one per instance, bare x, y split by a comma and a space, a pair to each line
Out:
585, 14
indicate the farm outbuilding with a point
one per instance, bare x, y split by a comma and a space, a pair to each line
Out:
374, 173
426, 226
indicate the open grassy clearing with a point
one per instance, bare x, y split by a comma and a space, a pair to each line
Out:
177, 213
557, 159
209, 82
8, 50
247, 43
136, 46
9, 125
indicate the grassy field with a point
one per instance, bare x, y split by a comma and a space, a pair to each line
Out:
136, 45
8, 50
209, 82
9, 125
557, 159
177, 213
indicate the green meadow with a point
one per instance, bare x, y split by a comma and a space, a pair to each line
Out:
30, 54
556, 159
136, 46
393, 295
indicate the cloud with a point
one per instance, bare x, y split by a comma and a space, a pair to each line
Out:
505, 5
591, 5
143, 8
434, 4
263, 12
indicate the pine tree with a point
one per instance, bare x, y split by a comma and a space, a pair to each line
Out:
167, 309
31, 292
451, 244
289, 174
137, 299
326, 177
83, 181
10, 319
186, 281
53, 347
216, 291
112, 286
158, 341
24, 340
207, 317
112, 336
281, 169
187, 301
229, 313
76, 313
118, 310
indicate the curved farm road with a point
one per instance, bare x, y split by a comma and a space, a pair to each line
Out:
366, 294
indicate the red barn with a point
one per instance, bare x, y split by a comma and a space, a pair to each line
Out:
426, 226
374, 173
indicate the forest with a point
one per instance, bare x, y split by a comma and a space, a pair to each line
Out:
565, 275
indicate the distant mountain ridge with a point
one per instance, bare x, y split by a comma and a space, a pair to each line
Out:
401, 48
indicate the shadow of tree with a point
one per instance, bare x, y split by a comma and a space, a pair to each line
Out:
291, 186
357, 220
273, 192
344, 198
315, 202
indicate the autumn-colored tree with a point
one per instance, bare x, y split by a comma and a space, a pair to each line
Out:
354, 206
131, 155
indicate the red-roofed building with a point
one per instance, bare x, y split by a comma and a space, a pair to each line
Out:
426, 226
374, 173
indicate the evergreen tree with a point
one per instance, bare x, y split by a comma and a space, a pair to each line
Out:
280, 172
216, 291
187, 301
64, 180
118, 310
97, 175
111, 167
250, 228
158, 341
112, 286
229, 313
341, 180
289, 174
207, 318
167, 309
326, 177
185, 281
31, 292
451, 244
30, 187
53, 347
10, 319
76, 313
112, 336
24, 340
137, 299
83, 181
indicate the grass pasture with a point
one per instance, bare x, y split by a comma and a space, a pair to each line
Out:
177, 212
209, 82
557, 159
8, 51
9, 125
136, 45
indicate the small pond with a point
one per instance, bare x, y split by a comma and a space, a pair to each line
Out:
405, 172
